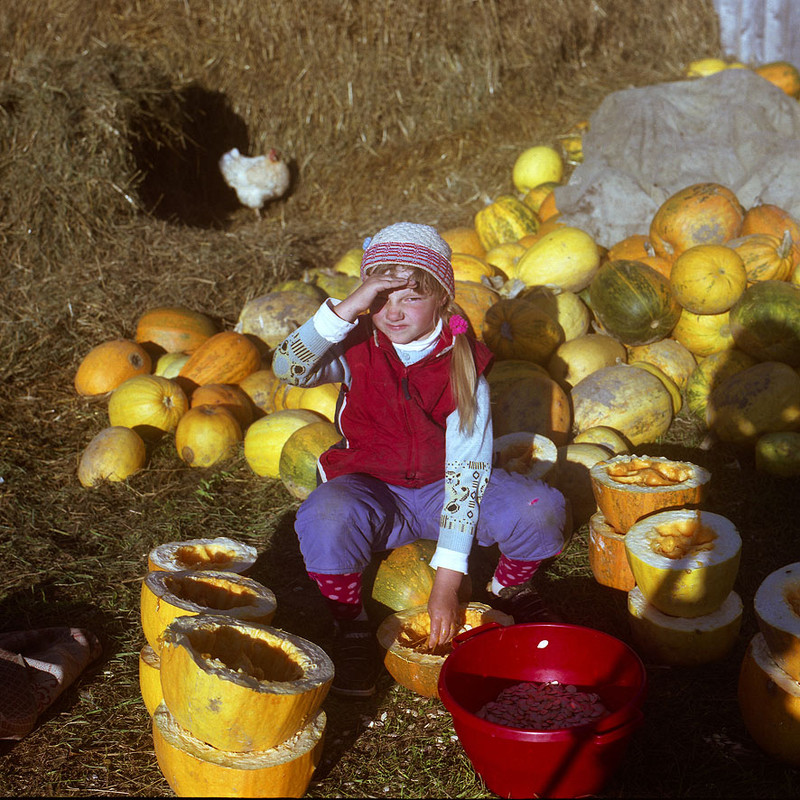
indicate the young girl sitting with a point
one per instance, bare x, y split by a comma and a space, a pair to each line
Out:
415, 459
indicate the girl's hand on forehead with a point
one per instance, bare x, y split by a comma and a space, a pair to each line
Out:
364, 296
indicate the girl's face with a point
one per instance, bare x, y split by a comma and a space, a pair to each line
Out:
405, 315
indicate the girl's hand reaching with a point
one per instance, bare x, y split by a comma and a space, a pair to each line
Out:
443, 607
363, 297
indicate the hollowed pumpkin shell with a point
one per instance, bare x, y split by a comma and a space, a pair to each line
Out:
241, 686
630, 487
679, 641
167, 595
194, 769
607, 557
220, 554
150, 678
685, 562
777, 609
769, 700
403, 637
528, 453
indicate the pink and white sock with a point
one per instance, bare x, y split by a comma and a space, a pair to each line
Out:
342, 594
511, 572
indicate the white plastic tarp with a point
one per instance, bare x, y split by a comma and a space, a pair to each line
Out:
645, 144
758, 31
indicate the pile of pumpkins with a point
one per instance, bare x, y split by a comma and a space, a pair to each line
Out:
235, 703
678, 563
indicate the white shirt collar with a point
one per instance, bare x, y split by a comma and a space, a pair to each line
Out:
420, 344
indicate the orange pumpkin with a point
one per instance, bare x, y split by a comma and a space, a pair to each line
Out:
514, 328
607, 558
174, 328
108, 364
548, 209
765, 257
629, 487
782, 74
474, 300
464, 239
227, 395
704, 213
226, 357
769, 218
535, 196
708, 278
631, 248
471, 268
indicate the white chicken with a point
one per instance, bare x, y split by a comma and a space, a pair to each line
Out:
255, 179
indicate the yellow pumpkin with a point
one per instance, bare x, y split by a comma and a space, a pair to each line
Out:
608, 437
113, 454
194, 769
207, 435
575, 359
504, 257
566, 257
264, 439
565, 307
266, 684
350, 262
108, 365
471, 268
703, 334
709, 373
537, 165
505, 219
169, 365
536, 195
167, 595
708, 278
149, 404
260, 387
669, 355
516, 329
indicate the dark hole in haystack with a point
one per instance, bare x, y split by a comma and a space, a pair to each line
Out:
178, 158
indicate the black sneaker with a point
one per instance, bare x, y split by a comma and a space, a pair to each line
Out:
524, 604
356, 659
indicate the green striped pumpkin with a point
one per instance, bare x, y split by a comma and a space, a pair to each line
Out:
633, 302
505, 220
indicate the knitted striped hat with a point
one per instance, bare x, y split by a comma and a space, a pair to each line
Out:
411, 245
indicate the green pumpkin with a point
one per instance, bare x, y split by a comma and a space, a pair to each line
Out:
765, 322
404, 579
633, 302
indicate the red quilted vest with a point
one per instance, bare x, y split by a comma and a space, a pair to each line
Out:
393, 418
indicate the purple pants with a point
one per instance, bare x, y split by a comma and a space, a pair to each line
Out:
348, 519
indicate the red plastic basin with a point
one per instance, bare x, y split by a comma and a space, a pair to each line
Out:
520, 763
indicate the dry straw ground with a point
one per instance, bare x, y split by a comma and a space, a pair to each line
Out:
112, 116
